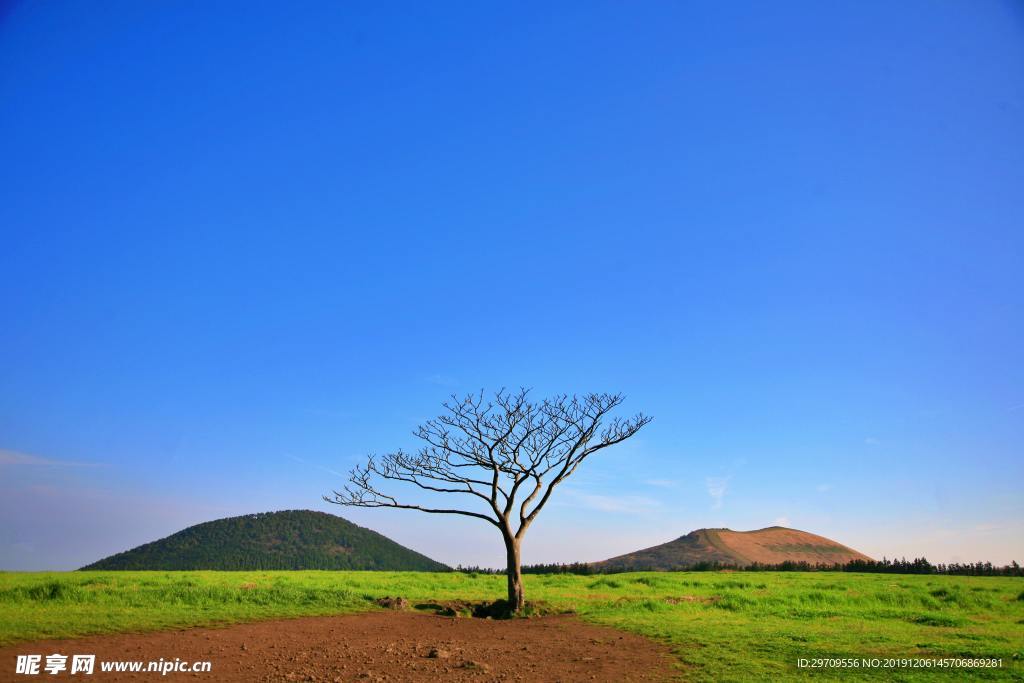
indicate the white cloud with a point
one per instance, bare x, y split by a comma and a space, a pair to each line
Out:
780, 521
661, 483
624, 504
823, 488
328, 470
872, 441
717, 486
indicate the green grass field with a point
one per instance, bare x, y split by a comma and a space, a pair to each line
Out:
721, 626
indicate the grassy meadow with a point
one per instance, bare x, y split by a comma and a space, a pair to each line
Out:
720, 625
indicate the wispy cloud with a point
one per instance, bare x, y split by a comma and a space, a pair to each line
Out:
16, 458
717, 487
623, 504
1016, 408
781, 521
328, 470
662, 483
872, 441
823, 488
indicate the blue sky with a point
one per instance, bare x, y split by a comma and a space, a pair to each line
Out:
242, 249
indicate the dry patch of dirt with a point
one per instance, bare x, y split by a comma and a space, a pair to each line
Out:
777, 544
680, 599
483, 609
389, 645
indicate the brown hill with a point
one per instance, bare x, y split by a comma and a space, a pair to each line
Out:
773, 545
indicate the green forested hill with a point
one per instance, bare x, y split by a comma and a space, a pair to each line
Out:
292, 539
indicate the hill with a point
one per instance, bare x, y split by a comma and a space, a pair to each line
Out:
292, 539
773, 545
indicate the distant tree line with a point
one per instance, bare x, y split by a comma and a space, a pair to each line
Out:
884, 566
918, 565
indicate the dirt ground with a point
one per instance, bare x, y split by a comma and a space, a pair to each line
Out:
378, 646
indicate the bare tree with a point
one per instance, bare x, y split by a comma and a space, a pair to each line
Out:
506, 455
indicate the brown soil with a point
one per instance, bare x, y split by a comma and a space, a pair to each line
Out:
773, 545
378, 646
778, 544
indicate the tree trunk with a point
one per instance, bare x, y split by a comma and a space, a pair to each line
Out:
516, 599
